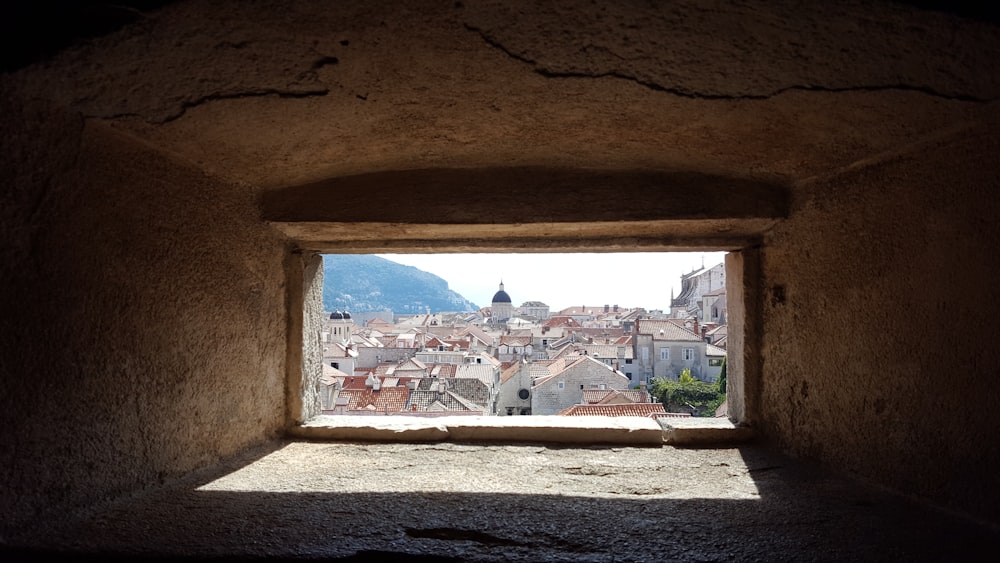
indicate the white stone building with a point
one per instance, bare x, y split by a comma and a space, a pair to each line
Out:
664, 349
693, 286
565, 388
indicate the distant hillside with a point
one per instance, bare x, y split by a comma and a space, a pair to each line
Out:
362, 283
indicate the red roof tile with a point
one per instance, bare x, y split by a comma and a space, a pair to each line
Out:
628, 409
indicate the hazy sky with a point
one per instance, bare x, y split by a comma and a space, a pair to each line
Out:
638, 279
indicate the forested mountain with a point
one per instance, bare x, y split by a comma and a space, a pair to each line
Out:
361, 283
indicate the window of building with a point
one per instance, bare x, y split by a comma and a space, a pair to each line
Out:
562, 385
688, 354
664, 354
715, 362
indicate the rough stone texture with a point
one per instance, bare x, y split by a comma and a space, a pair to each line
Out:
789, 46
878, 292
145, 314
304, 398
743, 357
704, 432
143, 317
473, 502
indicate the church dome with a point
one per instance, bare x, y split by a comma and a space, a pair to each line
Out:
336, 315
501, 296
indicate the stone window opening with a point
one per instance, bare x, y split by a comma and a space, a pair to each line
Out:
305, 425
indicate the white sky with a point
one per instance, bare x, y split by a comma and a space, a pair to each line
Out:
636, 279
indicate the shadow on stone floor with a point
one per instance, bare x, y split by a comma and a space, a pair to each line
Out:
801, 514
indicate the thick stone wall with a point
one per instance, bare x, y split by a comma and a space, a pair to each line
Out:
143, 331
880, 315
143, 307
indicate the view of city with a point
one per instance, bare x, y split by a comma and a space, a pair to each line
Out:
505, 359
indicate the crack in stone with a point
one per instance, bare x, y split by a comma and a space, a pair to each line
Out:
186, 105
548, 73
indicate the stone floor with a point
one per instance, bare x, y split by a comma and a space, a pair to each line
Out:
464, 502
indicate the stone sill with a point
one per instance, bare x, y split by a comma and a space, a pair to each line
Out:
703, 432
576, 430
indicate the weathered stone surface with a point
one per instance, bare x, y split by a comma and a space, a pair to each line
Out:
482, 502
533, 429
704, 432
146, 309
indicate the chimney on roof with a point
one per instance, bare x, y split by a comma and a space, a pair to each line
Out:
616, 308
694, 326
607, 307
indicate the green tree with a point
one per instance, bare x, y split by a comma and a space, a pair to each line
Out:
687, 395
722, 377
685, 376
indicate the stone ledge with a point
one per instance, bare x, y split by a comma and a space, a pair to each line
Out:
631, 431
703, 431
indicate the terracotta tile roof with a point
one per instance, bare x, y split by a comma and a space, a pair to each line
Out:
332, 372
337, 350
509, 372
583, 310
434, 342
626, 409
720, 330
602, 332
479, 372
607, 351
387, 399
425, 400
441, 370
354, 382
568, 363
566, 352
666, 330
457, 344
471, 390
635, 395
511, 340
561, 321
614, 396
476, 333
671, 415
